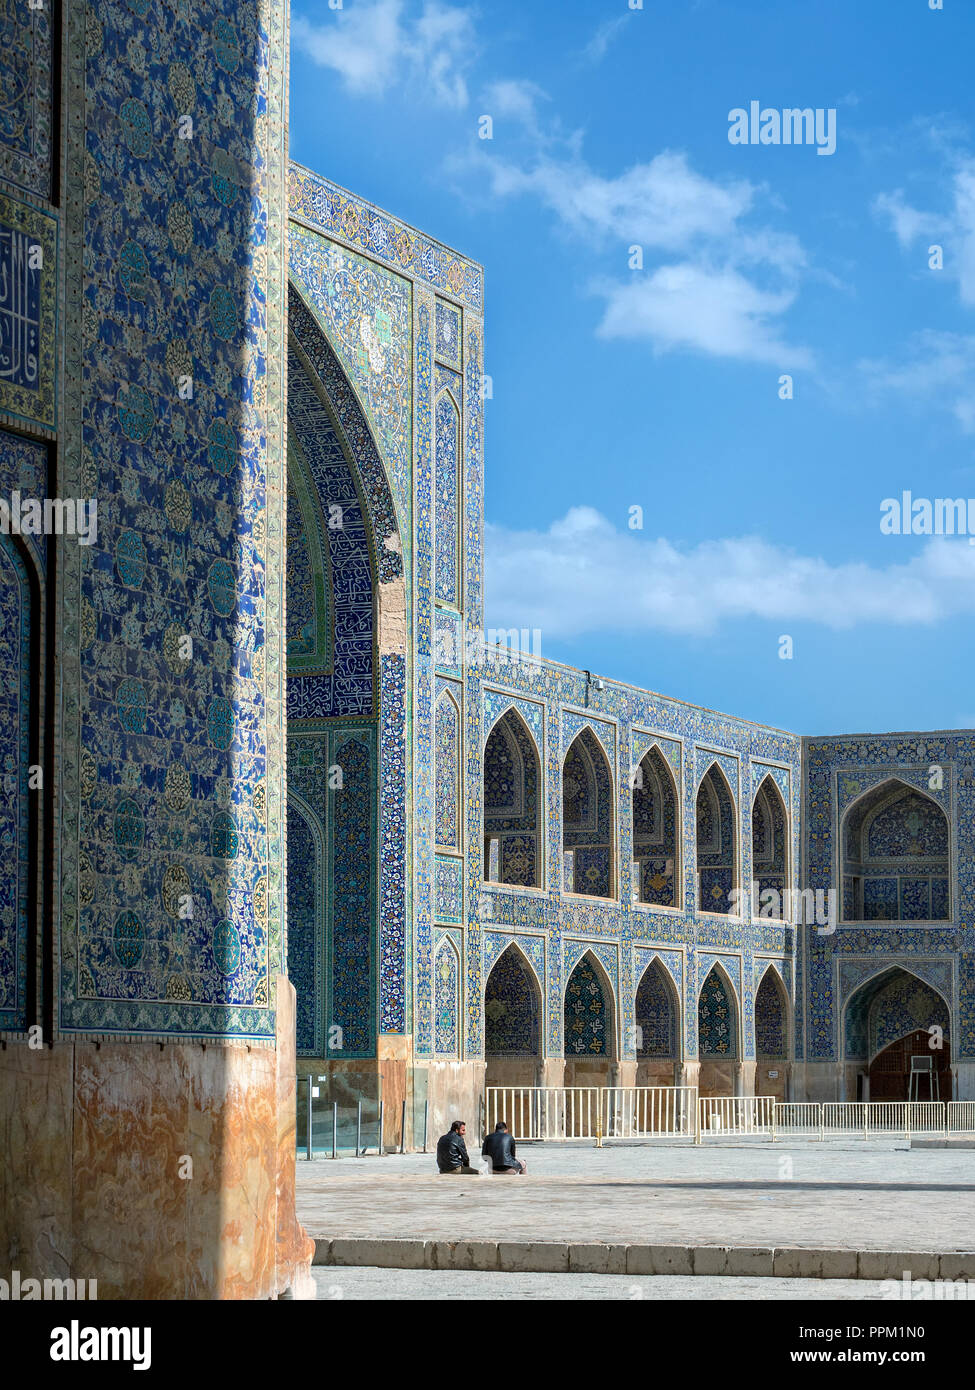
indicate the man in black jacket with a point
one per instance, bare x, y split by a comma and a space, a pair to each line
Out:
452, 1156
499, 1150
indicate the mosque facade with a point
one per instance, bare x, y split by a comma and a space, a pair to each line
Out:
276, 803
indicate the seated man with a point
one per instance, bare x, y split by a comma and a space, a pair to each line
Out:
499, 1150
452, 1154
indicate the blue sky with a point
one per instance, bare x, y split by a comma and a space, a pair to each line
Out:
658, 386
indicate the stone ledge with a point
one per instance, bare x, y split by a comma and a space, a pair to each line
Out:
943, 1143
597, 1257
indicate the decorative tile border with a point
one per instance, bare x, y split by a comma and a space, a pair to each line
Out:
326, 207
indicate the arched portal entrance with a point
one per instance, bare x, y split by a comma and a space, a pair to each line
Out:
889, 1019
512, 1022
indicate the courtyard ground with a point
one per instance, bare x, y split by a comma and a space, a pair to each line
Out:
851, 1210
425, 1285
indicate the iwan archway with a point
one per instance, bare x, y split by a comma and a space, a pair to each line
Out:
344, 571
889, 1019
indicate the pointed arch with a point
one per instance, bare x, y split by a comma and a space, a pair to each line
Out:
716, 819
892, 998
589, 1007
895, 855
771, 845
657, 1014
345, 547
656, 830
588, 824
718, 1029
446, 984
512, 1007
447, 743
890, 1018
513, 791
771, 1017
309, 344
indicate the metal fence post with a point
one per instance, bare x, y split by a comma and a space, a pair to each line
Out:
335, 1128
382, 1148
426, 1123
402, 1130
358, 1126
822, 1122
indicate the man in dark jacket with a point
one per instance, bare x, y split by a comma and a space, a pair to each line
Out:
499, 1150
452, 1156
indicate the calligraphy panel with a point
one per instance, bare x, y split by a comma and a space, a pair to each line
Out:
28, 313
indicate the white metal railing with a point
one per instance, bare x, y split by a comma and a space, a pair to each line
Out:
644, 1112
961, 1116
735, 1114
544, 1112
926, 1117
844, 1116
875, 1118
635, 1112
799, 1118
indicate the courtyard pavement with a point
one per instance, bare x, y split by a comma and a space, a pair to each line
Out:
423, 1285
847, 1195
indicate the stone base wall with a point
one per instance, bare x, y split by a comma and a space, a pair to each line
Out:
161, 1170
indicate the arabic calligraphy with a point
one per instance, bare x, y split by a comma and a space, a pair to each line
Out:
20, 307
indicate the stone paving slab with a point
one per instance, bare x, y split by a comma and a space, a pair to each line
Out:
802, 1210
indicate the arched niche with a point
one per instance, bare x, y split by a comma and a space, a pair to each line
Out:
513, 787
512, 1021
657, 1018
718, 1034
716, 843
770, 852
656, 831
587, 818
895, 849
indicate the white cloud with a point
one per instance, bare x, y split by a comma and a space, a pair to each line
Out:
719, 313
373, 46
584, 575
955, 228
734, 280
595, 50
939, 368
517, 100
661, 205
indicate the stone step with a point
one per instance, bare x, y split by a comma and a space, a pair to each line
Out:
565, 1257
